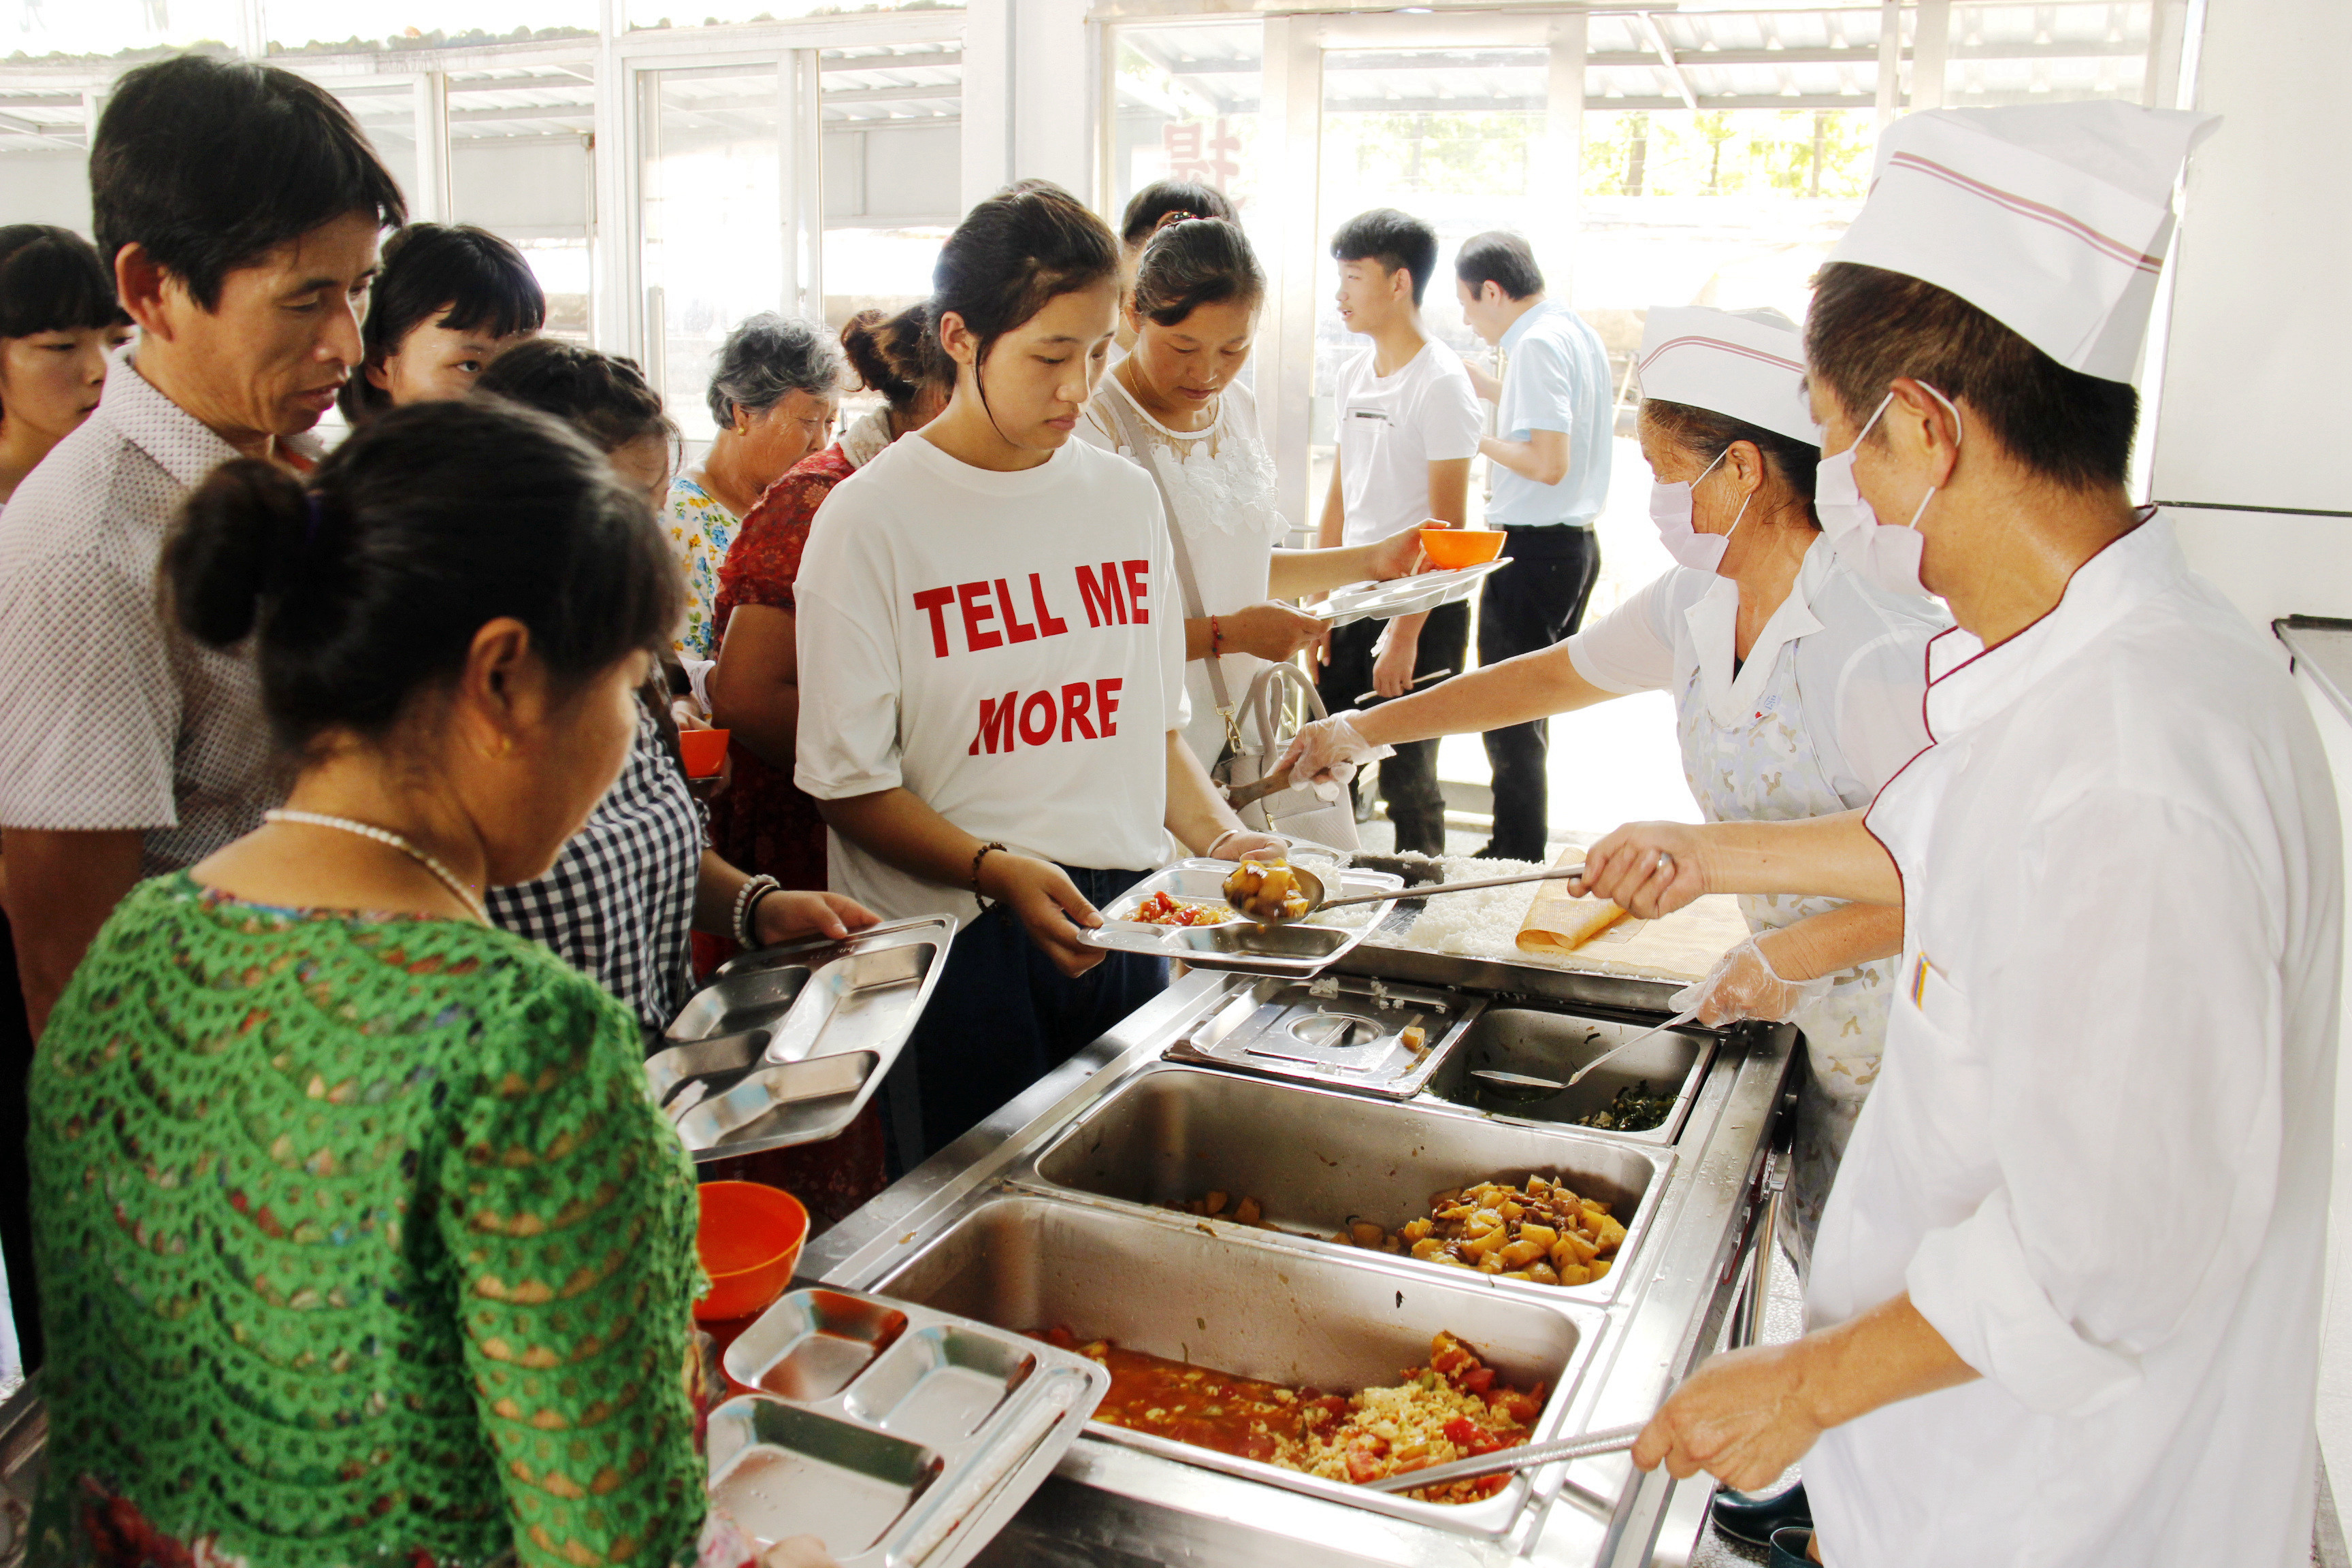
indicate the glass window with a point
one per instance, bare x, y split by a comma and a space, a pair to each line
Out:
1187, 109
709, 194
293, 25
44, 163
106, 27
893, 171
387, 115
713, 13
521, 165
2047, 54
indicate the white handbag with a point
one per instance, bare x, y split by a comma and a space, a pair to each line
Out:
1298, 811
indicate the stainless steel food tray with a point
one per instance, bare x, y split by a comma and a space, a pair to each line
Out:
899, 1434
1404, 595
1168, 1286
1344, 1032
785, 1046
1302, 949
1315, 1159
1543, 1043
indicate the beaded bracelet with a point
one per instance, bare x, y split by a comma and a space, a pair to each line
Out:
747, 902
978, 855
1216, 638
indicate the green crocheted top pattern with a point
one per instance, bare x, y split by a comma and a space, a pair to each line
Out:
360, 1240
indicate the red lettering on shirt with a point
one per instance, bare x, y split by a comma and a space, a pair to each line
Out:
1038, 734
1138, 588
1048, 623
1106, 703
1013, 626
1106, 603
1076, 697
936, 601
995, 725
977, 613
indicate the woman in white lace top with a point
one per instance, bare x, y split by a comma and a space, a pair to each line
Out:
1173, 407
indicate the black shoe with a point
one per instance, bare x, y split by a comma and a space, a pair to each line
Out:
1753, 1519
1791, 1545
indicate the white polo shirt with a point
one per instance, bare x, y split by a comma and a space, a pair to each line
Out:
109, 718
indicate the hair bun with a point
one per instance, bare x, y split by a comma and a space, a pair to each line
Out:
229, 547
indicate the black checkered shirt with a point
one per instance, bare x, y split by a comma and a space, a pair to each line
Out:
618, 903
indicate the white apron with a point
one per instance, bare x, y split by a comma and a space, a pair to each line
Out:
1764, 769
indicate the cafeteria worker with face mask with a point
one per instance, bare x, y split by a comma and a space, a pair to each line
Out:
1796, 686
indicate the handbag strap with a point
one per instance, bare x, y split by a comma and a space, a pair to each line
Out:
1125, 416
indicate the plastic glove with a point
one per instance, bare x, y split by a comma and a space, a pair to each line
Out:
1326, 752
1744, 984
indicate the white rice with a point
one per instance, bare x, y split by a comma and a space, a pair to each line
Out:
1484, 924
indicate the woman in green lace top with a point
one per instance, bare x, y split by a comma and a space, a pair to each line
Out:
361, 1241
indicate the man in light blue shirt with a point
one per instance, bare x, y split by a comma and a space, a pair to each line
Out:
1551, 457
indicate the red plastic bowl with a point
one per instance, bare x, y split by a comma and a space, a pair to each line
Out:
749, 1237
704, 751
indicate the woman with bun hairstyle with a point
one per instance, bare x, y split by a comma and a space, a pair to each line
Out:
58, 322
332, 1176
1147, 212
629, 887
1173, 407
763, 822
992, 697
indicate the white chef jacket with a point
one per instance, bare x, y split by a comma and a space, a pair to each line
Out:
1857, 650
2097, 1156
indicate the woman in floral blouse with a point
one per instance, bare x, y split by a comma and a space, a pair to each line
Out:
763, 822
773, 396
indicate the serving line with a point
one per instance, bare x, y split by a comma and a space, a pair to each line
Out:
1116, 1501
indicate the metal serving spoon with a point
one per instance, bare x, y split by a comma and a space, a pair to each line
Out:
1609, 1440
1310, 887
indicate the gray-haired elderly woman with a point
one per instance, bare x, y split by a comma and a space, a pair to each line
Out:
773, 396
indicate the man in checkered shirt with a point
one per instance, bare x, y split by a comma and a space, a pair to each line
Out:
239, 207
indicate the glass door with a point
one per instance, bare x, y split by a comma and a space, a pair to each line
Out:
710, 200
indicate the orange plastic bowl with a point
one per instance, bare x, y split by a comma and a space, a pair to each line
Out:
1454, 548
705, 751
749, 1237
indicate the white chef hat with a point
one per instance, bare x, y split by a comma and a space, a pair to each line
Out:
2051, 218
1750, 364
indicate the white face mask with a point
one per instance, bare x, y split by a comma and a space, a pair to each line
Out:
1877, 551
1670, 508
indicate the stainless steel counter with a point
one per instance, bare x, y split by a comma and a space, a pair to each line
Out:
1116, 1502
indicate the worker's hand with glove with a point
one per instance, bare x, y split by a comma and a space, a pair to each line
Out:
1328, 750
1745, 984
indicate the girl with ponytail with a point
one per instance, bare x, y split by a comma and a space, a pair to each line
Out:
990, 675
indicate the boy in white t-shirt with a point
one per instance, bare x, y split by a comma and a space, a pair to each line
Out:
1409, 425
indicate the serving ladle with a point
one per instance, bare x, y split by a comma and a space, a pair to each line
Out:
1310, 887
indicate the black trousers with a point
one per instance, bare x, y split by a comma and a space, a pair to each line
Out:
1409, 779
1002, 1016
1531, 604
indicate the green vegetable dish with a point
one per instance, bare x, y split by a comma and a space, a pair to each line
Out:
1635, 1109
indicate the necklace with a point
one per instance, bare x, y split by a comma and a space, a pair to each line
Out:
466, 895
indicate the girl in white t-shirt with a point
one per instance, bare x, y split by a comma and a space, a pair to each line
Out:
992, 688
1173, 406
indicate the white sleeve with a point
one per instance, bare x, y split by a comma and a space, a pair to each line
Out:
1632, 648
2136, 1060
1450, 417
846, 629
1880, 706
